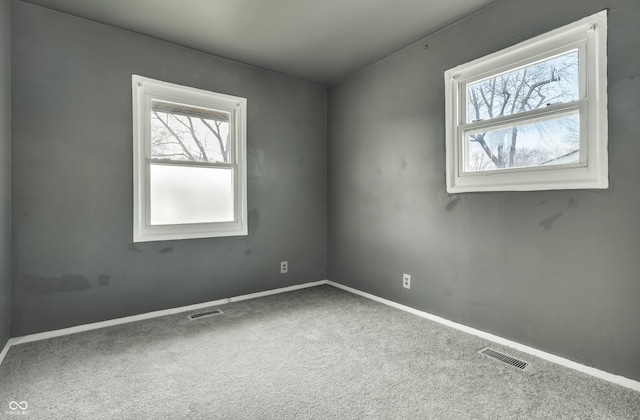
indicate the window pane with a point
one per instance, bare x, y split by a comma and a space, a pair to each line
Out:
189, 133
548, 82
546, 142
181, 194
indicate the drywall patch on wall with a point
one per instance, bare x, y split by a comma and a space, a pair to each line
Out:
40, 285
133, 247
452, 203
104, 280
548, 223
254, 221
255, 160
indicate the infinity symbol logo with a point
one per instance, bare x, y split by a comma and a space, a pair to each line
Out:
22, 405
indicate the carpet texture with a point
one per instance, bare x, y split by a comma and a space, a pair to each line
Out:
318, 353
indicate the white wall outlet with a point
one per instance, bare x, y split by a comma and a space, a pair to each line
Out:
284, 267
406, 281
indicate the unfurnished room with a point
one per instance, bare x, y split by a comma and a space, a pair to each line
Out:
295, 209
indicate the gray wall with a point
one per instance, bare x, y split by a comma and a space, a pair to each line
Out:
73, 257
557, 270
5, 172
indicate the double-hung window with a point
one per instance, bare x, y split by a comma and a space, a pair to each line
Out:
533, 116
189, 159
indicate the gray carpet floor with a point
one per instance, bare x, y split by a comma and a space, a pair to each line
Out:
318, 353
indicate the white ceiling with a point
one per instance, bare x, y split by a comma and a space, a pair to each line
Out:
318, 40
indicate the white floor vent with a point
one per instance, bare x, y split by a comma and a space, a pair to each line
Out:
505, 358
205, 314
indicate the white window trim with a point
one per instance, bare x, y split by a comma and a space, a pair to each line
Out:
589, 35
144, 90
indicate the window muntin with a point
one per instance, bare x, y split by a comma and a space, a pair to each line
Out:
189, 162
539, 106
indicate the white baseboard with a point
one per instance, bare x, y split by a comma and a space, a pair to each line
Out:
5, 350
96, 325
610, 377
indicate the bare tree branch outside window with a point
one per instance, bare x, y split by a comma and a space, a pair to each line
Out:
184, 137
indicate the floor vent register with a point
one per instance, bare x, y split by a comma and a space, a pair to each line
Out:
505, 358
204, 314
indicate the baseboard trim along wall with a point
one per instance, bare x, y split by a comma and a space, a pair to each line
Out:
148, 315
610, 377
616, 379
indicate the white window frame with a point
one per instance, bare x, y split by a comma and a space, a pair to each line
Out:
144, 91
589, 36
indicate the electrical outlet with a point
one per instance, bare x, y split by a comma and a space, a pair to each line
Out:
284, 267
406, 281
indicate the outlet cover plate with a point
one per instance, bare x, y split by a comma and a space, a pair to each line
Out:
406, 281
